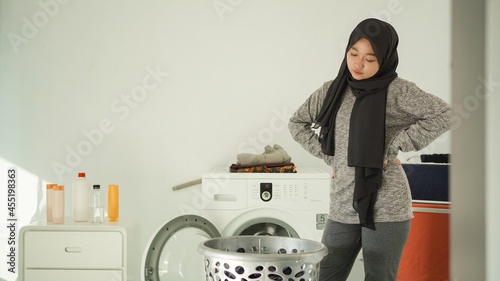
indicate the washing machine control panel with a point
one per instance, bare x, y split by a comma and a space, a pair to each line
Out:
266, 191
288, 193
307, 190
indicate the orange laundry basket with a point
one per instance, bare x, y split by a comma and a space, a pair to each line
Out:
426, 255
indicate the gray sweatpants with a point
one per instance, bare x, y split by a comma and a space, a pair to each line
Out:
382, 250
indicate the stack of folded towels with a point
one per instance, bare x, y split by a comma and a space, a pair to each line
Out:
274, 160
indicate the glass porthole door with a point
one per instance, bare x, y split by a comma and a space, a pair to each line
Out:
173, 255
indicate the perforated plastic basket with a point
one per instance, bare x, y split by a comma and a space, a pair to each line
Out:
262, 258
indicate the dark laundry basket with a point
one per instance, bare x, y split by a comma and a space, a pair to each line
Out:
262, 258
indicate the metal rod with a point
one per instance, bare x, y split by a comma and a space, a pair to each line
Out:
187, 184
432, 210
432, 202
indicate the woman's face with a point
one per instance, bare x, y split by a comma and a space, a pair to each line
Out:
361, 60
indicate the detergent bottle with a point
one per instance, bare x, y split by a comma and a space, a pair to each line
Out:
81, 197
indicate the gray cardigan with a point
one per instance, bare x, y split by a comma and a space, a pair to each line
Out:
414, 119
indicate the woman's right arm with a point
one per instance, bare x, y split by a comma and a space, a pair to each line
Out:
302, 120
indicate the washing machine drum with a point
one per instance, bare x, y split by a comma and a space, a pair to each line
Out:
172, 254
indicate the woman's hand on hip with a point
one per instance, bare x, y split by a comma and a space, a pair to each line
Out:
397, 161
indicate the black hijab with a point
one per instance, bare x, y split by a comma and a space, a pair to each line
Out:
367, 125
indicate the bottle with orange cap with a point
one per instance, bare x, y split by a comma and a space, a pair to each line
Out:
81, 198
58, 204
50, 200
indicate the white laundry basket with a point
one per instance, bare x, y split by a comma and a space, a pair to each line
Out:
262, 258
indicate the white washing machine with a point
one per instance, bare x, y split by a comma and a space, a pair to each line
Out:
278, 204
293, 205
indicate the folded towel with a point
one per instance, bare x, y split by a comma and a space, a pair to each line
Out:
275, 154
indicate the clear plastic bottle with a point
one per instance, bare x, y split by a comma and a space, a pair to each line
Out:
96, 205
113, 202
58, 207
81, 197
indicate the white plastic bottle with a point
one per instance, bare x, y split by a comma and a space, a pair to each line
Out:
81, 196
96, 205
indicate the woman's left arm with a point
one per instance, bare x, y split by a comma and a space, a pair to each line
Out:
431, 115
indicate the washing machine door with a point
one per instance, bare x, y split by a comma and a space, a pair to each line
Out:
172, 254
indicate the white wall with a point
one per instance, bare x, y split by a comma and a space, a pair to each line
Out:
73, 76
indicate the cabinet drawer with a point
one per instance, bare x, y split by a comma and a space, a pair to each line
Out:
75, 250
73, 275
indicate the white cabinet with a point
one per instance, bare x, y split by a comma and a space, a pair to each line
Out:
73, 251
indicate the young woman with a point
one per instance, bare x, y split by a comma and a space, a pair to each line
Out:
366, 116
